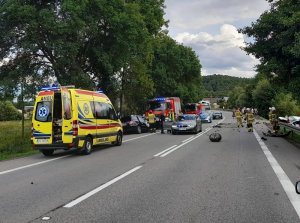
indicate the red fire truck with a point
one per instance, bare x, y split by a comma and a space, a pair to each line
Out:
193, 108
163, 105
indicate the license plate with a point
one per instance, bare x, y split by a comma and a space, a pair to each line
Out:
182, 128
42, 141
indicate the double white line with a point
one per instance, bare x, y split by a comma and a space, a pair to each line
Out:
175, 147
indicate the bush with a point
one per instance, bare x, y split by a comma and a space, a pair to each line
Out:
11, 142
9, 112
286, 105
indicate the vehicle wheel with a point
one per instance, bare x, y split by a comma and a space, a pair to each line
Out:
215, 137
195, 130
118, 142
48, 152
173, 132
138, 129
87, 146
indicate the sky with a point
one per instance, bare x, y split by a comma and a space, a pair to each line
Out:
210, 28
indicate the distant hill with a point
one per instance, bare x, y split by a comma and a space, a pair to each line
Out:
218, 85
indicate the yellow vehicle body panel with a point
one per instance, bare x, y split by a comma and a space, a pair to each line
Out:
82, 114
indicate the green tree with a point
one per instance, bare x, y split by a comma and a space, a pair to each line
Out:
276, 44
262, 96
285, 104
86, 43
176, 70
8, 112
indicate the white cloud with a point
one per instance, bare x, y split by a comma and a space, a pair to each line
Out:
195, 14
204, 26
221, 53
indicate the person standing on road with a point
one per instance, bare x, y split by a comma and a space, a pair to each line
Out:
162, 120
151, 120
270, 115
238, 116
250, 119
274, 120
171, 115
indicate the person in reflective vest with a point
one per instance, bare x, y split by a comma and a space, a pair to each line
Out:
270, 115
151, 120
171, 115
238, 116
250, 119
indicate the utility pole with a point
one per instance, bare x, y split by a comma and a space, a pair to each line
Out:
22, 104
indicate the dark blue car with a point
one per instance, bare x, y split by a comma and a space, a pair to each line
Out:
205, 117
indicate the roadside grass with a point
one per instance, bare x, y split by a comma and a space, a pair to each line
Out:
295, 136
11, 143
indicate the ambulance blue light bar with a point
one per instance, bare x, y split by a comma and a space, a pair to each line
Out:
53, 88
159, 99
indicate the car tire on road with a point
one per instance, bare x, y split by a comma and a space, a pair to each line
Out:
215, 137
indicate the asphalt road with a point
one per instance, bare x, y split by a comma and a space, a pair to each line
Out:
240, 179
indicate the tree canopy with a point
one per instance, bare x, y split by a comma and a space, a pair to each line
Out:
276, 44
117, 45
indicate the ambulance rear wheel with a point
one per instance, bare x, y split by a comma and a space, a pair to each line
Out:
87, 146
48, 152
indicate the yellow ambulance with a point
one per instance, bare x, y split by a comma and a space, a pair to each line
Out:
66, 118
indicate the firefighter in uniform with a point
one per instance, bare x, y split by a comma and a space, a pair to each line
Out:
151, 120
238, 116
250, 119
270, 115
274, 121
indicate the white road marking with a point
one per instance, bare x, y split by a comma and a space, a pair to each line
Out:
96, 190
158, 154
51, 160
188, 139
30, 165
286, 183
138, 137
177, 147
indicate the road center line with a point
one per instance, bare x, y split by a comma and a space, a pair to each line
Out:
139, 137
158, 154
96, 190
177, 147
285, 181
30, 165
188, 139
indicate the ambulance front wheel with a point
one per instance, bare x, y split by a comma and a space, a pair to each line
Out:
87, 146
118, 142
47, 152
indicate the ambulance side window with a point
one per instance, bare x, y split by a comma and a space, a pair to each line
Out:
43, 111
102, 110
112, 113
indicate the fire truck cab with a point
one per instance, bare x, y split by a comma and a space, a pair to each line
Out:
164, 105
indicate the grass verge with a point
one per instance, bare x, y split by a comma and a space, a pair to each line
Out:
295, 136
12, 145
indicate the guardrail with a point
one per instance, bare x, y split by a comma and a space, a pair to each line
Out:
289, 126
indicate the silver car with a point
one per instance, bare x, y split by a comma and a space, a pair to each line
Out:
187, 123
